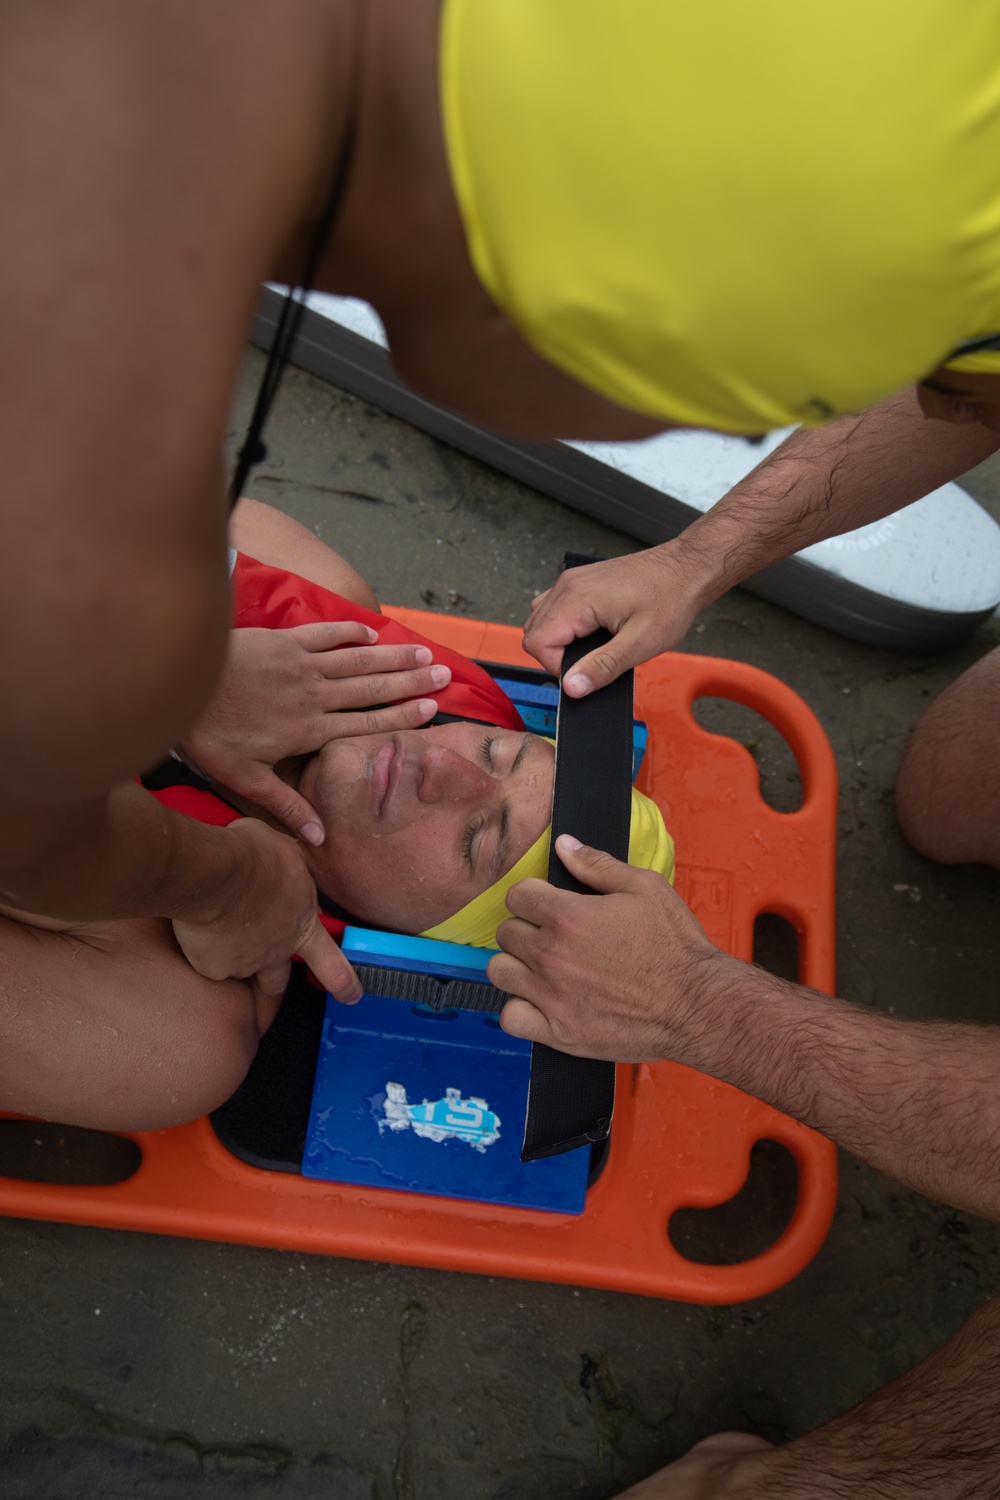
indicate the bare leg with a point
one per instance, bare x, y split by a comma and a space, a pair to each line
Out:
272, 537
711, 1470
105, 1024
948, 786
933, 1433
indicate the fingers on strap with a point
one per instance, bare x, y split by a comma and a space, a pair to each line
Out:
626, 649
521, 1018
547, 631
601, 871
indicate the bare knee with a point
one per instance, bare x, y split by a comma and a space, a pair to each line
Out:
108, 1026
948, 785
930, 797
154, 1081
201, 1067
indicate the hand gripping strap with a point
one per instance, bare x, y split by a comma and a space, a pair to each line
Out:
571, 1099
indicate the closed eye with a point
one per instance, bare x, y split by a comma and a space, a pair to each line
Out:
501, 850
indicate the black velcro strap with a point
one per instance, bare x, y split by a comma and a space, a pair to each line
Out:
571, 1099
430, 991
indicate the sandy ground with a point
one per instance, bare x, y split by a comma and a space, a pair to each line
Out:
132, 1365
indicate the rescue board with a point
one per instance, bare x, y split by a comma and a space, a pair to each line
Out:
680, 1139
918, 580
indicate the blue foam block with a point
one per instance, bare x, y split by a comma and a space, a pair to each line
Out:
544, 693
394, 950
538, 720
430, 1103
640, 739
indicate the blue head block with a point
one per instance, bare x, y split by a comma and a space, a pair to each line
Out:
393, 950
430, 1102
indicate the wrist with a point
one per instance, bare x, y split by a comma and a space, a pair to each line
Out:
694, 1016
699, 563
716, 1013
720, 550
749, 1028
792, 1047
207, 873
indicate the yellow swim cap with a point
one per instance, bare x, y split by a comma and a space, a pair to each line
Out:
650, 847
729, 215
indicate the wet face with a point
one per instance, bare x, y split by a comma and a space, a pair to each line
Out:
420, 822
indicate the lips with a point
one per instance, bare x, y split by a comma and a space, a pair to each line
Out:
382, 765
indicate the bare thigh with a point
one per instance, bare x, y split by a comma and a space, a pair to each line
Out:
105, 1024
948, 786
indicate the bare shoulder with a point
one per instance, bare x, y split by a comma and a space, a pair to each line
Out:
156, 161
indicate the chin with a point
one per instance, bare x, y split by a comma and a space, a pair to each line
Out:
365, 911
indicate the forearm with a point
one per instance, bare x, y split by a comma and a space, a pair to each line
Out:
631, 976
123, 855
824, 481
918, 1100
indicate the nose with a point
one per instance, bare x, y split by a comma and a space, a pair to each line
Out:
447, 776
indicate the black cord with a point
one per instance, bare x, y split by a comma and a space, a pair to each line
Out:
254, 449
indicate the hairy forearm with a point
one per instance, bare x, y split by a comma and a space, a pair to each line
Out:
123, 855
631, 975
824, 481
918, 1100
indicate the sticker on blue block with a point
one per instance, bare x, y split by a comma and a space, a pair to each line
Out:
449, 1119
430, 1103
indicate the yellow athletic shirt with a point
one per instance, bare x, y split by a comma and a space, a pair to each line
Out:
731, 214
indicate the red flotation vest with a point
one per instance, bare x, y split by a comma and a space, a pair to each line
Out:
277, 600
274, 599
